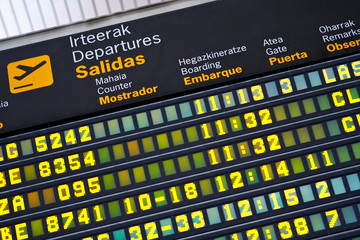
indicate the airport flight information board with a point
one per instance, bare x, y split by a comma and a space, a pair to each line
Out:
231, 120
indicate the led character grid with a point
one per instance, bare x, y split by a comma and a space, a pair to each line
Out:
290, 229
294, 228
53, 141
250, 120
279, 113
70, 137
205, 187
286, 139
92, 186
49, 168
208, 130
141, 120
186, 222
50, 195
245, 208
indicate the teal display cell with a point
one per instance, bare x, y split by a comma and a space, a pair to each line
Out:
271, 89
229, 212
151, 231
99, 130
314, 78
128, 123
275, 201
328, 158
333, 128
134, 234
243, 96
119, 235
26, 148
197, 219
185, 110
171, 113
213, 215
332, 220
269, 233
349, 215
353, 181
343, 71
113, 126
306, 193
142, 120
156, 117
260, 204
200, 107
166, 227
329, 75
317, 222
214, 103
338, 185
228, 99
300, 82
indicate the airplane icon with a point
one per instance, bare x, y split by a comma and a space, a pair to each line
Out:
29, 74
28, 70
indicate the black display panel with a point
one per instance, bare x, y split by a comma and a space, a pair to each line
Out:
234, 120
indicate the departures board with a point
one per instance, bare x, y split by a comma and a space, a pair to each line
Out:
231, 120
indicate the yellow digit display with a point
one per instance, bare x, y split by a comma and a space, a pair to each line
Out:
198, 219
52, 224
44, 169
286, 85
68, 219
245, 210
250, 119
190, 190
135, 233
285, 230
151, 230
55, 139
41, 145
257, 92
301, 226
182, 223
253, 234
291, 197
59, 164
